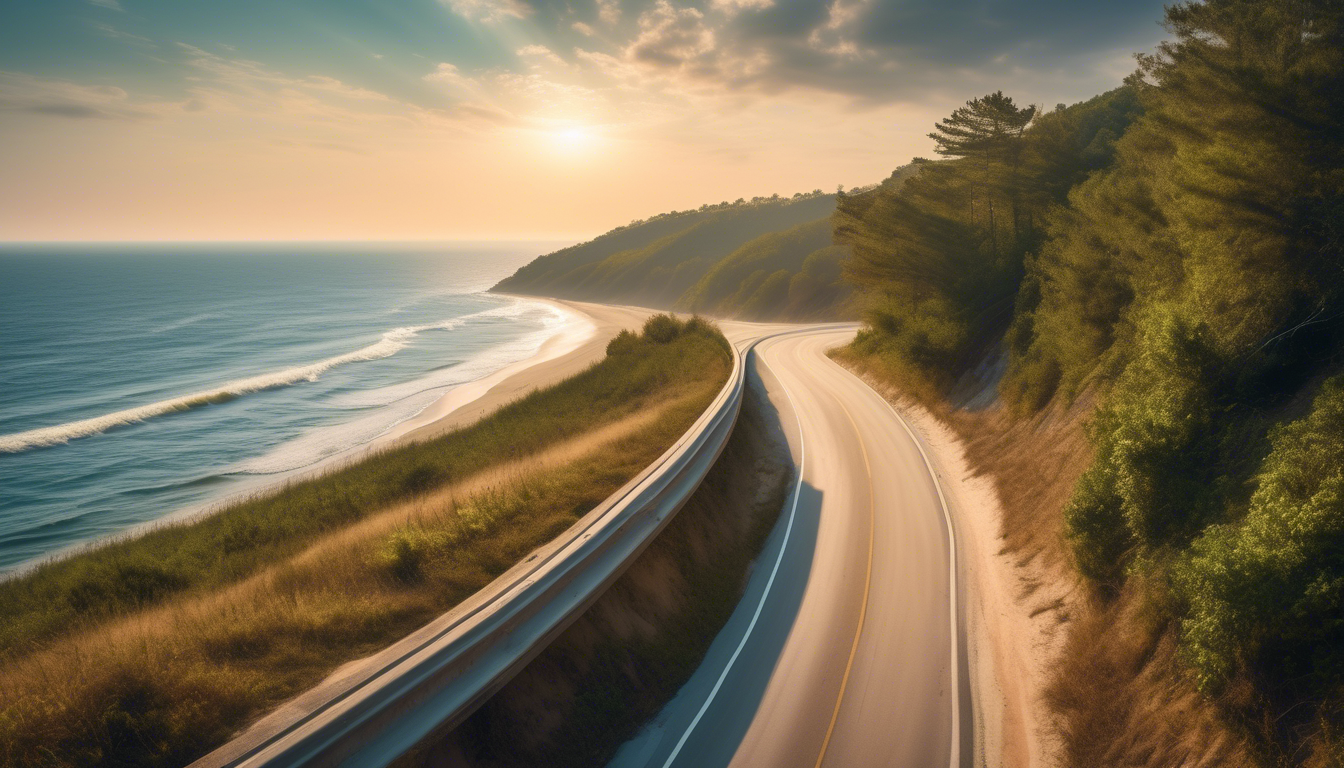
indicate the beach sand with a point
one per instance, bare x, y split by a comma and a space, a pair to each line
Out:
580, 343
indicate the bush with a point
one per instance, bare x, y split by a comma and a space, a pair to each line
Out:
1094, 523
622, 343
403, 553
663, 329
1269, 592
1153, 482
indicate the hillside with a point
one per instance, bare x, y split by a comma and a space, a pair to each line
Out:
770, 258
1159, 272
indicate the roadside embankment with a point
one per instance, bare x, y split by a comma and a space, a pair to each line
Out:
153, 650
1060, 677
615, 668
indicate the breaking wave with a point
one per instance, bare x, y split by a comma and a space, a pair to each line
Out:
391, 342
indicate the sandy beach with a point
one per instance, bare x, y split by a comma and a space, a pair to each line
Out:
581, 342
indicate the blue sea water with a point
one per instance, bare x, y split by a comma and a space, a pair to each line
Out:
136, 381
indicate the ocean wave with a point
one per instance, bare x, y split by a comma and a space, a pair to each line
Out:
475, 367
391, 342
396, 403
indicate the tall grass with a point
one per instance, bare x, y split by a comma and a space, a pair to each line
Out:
164, 675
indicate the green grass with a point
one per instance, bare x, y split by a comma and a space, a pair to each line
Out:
162, 681
656, 262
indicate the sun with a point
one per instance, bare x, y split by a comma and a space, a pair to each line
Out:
572, 139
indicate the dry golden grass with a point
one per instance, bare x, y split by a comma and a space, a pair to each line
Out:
162, 686
619, 663
1124, 699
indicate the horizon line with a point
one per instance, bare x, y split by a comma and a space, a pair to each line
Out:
307, 241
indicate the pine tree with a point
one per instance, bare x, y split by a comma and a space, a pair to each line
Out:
991, 128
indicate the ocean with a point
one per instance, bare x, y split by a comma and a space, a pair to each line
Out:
139, 381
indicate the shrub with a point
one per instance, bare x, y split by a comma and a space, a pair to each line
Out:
1094, 523
622, 343
663, 329
403, 553
1269, 592
1152, 483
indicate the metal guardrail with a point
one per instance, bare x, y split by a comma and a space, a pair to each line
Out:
439, 675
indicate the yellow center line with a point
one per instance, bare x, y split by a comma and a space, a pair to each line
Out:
867, 581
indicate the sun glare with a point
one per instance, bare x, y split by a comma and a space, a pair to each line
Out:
572, 139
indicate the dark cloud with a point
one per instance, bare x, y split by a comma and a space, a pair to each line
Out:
886, 48
976, 31
72, 111
873, 50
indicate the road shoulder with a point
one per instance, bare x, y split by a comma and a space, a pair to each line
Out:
1010, 642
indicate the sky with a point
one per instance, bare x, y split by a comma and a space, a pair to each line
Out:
496, 119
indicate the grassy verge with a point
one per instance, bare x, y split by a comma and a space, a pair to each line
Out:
161, 677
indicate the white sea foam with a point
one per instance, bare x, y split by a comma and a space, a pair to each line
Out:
396, 403
476, 367
324, 442
391, 342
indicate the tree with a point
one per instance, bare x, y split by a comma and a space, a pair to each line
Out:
991, 128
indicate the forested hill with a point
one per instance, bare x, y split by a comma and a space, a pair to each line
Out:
1174, 250
768, 258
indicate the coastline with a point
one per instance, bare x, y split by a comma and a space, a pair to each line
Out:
577, 344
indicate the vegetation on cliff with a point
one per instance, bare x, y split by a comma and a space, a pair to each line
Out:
1175, 246
768, 258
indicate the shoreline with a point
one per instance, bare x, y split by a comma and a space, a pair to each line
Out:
570, 351
577, 330
578, 343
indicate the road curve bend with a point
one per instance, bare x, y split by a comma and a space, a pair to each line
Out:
846, 649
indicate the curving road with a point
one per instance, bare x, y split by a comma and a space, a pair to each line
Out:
841, 652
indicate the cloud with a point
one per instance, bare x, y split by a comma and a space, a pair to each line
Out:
485, 113
69, 100
449, 75
670, 36
539, 52
869, 51
734, 6
109, 4
107, 30
74, 111
332, 85
232, 86
609, 11
490, 11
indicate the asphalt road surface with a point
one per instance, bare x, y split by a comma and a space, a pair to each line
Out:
841, 652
